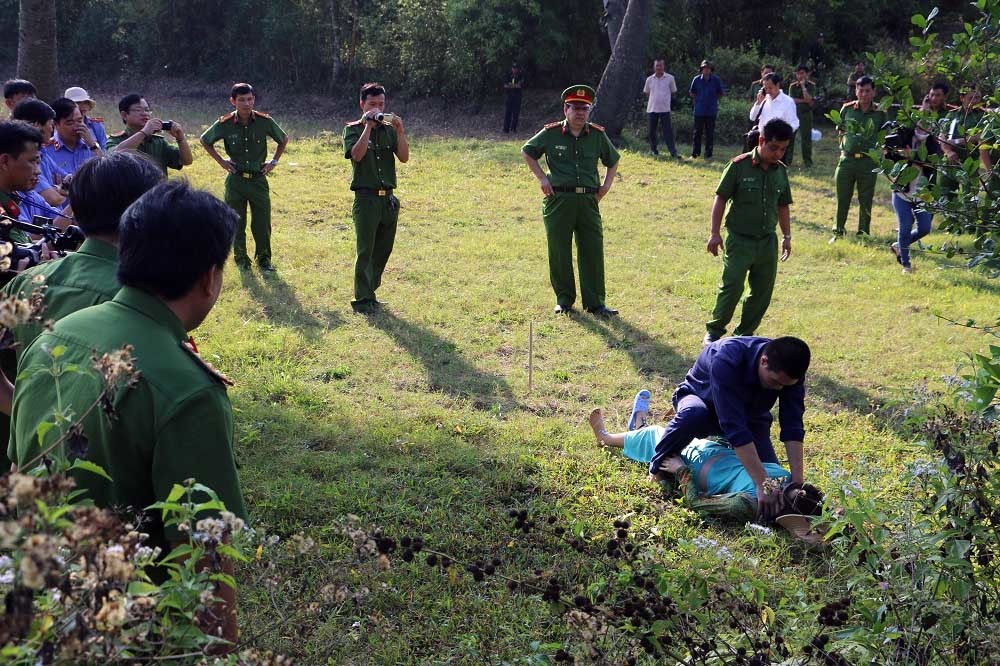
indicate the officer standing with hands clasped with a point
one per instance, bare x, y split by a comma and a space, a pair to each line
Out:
373, 143
860, 122
244, 133
572, 192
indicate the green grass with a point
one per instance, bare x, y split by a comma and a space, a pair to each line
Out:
420, 419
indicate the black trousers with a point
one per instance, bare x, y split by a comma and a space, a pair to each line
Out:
663, 120
706, 125
511, 112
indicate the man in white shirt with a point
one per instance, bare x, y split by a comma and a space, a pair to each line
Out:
660, 88
772, 103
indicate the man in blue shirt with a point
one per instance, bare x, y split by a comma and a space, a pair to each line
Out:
706, 89
86, 105
730, 391
74, 143
39, 114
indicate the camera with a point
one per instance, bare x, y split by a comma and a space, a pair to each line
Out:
57, 239
168, 125
898, 137
385, 118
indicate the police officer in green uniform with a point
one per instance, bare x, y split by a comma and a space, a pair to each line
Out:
573, 190
175, 423
801, 90
755, 185
860, 122
373, 143
142, 133
244, 133
959, 136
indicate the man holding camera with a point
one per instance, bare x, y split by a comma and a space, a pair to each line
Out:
573, 191
244, 134
373, 143
142, 133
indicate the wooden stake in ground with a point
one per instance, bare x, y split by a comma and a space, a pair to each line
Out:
531, 352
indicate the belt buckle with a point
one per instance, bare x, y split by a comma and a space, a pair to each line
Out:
580, 190
247, 175
381, 193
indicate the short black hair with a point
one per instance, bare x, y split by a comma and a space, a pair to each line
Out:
777, 129
15, 135
802, 499
63, 108
787, 354
241, 89
33, 111
802, 68
18, 87
126, 102
767, 65
171, 236
942, 86
773, 77
865, 81
103, 187
371, 89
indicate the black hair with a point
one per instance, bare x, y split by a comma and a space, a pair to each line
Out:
371, 90
802, 68
241, 89
942, 86
63, 108
787, 354
103, 187
15, 136
18, 87
865, 81
777, 129
802, 499
33, 111
773, 77
171, 236
126, 102
767, 65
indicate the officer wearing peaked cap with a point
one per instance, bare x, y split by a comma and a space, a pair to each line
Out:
573, 190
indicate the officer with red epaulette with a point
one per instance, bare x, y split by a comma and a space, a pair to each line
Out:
86, 105
573, 190
755, 185
244, 133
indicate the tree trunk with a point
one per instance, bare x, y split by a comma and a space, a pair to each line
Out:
614, 14
37, 56
622, 79
337, 70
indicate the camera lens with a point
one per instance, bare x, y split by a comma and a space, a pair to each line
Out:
379, 117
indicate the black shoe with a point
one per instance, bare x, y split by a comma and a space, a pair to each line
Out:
654, 151
709, 339
563, 309
364, 307
603, 311
268, 268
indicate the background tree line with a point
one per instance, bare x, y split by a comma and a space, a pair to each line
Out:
454, 48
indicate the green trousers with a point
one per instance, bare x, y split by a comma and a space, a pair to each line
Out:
805, 133
567, 214
853, 171
375, 221
743, 257
256, 192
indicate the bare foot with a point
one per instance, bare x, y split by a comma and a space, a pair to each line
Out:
597, 424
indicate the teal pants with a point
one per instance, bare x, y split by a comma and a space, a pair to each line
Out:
851, 172
255, 192
745, 259
375, 221
567, 215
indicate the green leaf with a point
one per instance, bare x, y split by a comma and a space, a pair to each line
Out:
225, 579
57, 351
88, 466
918, 20
139, 588
175, 493
43, 429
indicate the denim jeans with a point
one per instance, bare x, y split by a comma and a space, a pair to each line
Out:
663, 119
907, 214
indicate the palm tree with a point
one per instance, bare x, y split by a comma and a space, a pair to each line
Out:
36, 46
622, 79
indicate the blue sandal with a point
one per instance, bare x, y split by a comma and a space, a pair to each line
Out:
640, 404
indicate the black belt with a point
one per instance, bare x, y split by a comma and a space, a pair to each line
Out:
576, 190
372, 192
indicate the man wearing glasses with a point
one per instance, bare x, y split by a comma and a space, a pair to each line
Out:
142, 133
572, 190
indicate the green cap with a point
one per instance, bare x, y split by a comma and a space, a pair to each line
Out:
579, 93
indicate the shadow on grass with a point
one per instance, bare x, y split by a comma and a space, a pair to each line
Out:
281, 306
648, 355
447, 369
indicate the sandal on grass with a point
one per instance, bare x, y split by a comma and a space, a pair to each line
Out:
639, 406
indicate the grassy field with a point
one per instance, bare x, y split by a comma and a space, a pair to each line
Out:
420, 420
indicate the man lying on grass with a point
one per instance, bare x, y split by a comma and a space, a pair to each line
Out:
716, 484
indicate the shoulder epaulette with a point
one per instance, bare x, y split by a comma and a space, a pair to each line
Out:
597, 127
782, 164
226, 116
262, 114
852, 105
189, 347
553, 125
952, 107
97, 119
117, 134
740, 158
354, 122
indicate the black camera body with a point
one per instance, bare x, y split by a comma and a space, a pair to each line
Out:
898, 137
168, 125
58, 240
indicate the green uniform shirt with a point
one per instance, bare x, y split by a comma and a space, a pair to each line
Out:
77, 281
572, 161
11, 207
754, 195
246, 145
175, 424
163, 153
377, 170
860, 128
795, 92
966, 120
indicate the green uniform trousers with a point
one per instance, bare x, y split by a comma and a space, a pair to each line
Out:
375, 221
853, 171
805, 135
566, 214
256, 192
745, 256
